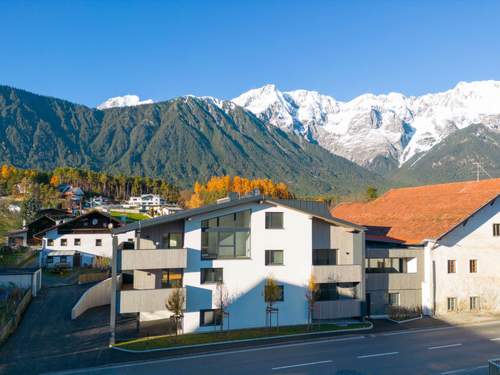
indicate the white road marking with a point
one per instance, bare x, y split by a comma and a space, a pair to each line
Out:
416, 330
377, 355
444, 346
495, 339
463, 370
207, 355
301, 364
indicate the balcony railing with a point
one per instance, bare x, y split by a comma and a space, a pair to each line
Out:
153, 259
337, 274
139, 300
345, 308
387, 281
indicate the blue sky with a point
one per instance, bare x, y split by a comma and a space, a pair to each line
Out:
87, 51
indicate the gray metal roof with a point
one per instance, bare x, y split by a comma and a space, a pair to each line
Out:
316, 209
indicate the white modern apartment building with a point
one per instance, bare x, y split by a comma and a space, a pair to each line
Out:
435, 247
239, 243
147, 200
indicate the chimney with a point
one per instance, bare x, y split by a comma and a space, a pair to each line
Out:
230, 197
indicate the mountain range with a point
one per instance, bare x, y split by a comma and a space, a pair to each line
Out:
311, 141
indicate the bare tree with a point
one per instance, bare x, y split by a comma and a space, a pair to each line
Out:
311, 297
222, 301
175, 303
272, 294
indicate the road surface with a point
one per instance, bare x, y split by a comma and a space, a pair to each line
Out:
445, 350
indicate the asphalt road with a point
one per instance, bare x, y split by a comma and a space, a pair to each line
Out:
445, 350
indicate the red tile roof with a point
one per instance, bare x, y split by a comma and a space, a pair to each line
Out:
412, 215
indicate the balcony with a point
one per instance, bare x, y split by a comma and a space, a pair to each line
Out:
345, 308
393, 281
137, 300
153, 259
337, 273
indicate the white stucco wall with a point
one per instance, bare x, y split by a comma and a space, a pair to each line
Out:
87, 242
244, 278
473, 240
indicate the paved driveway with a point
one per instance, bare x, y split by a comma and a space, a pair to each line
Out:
47, 338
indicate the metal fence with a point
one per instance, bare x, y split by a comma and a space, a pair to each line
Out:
494, 367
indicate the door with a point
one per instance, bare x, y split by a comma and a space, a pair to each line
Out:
368, 304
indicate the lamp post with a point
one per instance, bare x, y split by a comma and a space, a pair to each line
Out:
114, 263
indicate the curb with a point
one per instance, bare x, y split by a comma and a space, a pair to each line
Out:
259, 339
405, 321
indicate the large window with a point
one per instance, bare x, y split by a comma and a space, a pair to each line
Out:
212, 317
281, 294
172, 278
227, 236
473, 265
452, 303
336, 291
394, 299
391, 265
274, 220
172, 240
211, 275
452, 266
324, 257
474, 303
274, 257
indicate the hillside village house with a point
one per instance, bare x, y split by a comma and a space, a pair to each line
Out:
436, 247
240, 242
82, 241
46, 218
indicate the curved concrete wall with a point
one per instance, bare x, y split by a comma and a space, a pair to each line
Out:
98, 295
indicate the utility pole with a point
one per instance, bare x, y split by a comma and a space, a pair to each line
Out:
114, 264
478, 168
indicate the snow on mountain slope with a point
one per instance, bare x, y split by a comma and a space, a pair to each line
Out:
123, 101
371, 128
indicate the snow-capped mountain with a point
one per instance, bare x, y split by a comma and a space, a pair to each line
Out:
377, 131
123, 101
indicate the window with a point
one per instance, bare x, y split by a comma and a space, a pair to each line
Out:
172, 240
281, 294
327, 292
226, 237
98, 242
63, 259
210, 275
474, 303
50, 260
391, 265
76, 242
274, 220
393, 299
496, 230
452, 304
50, 242
274, 257
212, 317
452, 266
324, 257
172, 278
64, 241
473, 266
130, 240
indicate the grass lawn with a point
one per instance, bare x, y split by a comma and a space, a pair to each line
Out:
130, 216
169, 341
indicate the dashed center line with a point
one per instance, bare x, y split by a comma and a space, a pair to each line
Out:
444, 346
463, 370
301, 364
377, 355
495, 339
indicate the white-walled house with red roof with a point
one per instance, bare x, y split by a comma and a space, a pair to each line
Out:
451, 234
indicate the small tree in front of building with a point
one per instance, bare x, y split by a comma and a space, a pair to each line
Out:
222, 301
311, 296
272, 294
175, 304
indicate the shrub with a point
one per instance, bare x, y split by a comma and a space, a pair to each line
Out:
403, 313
